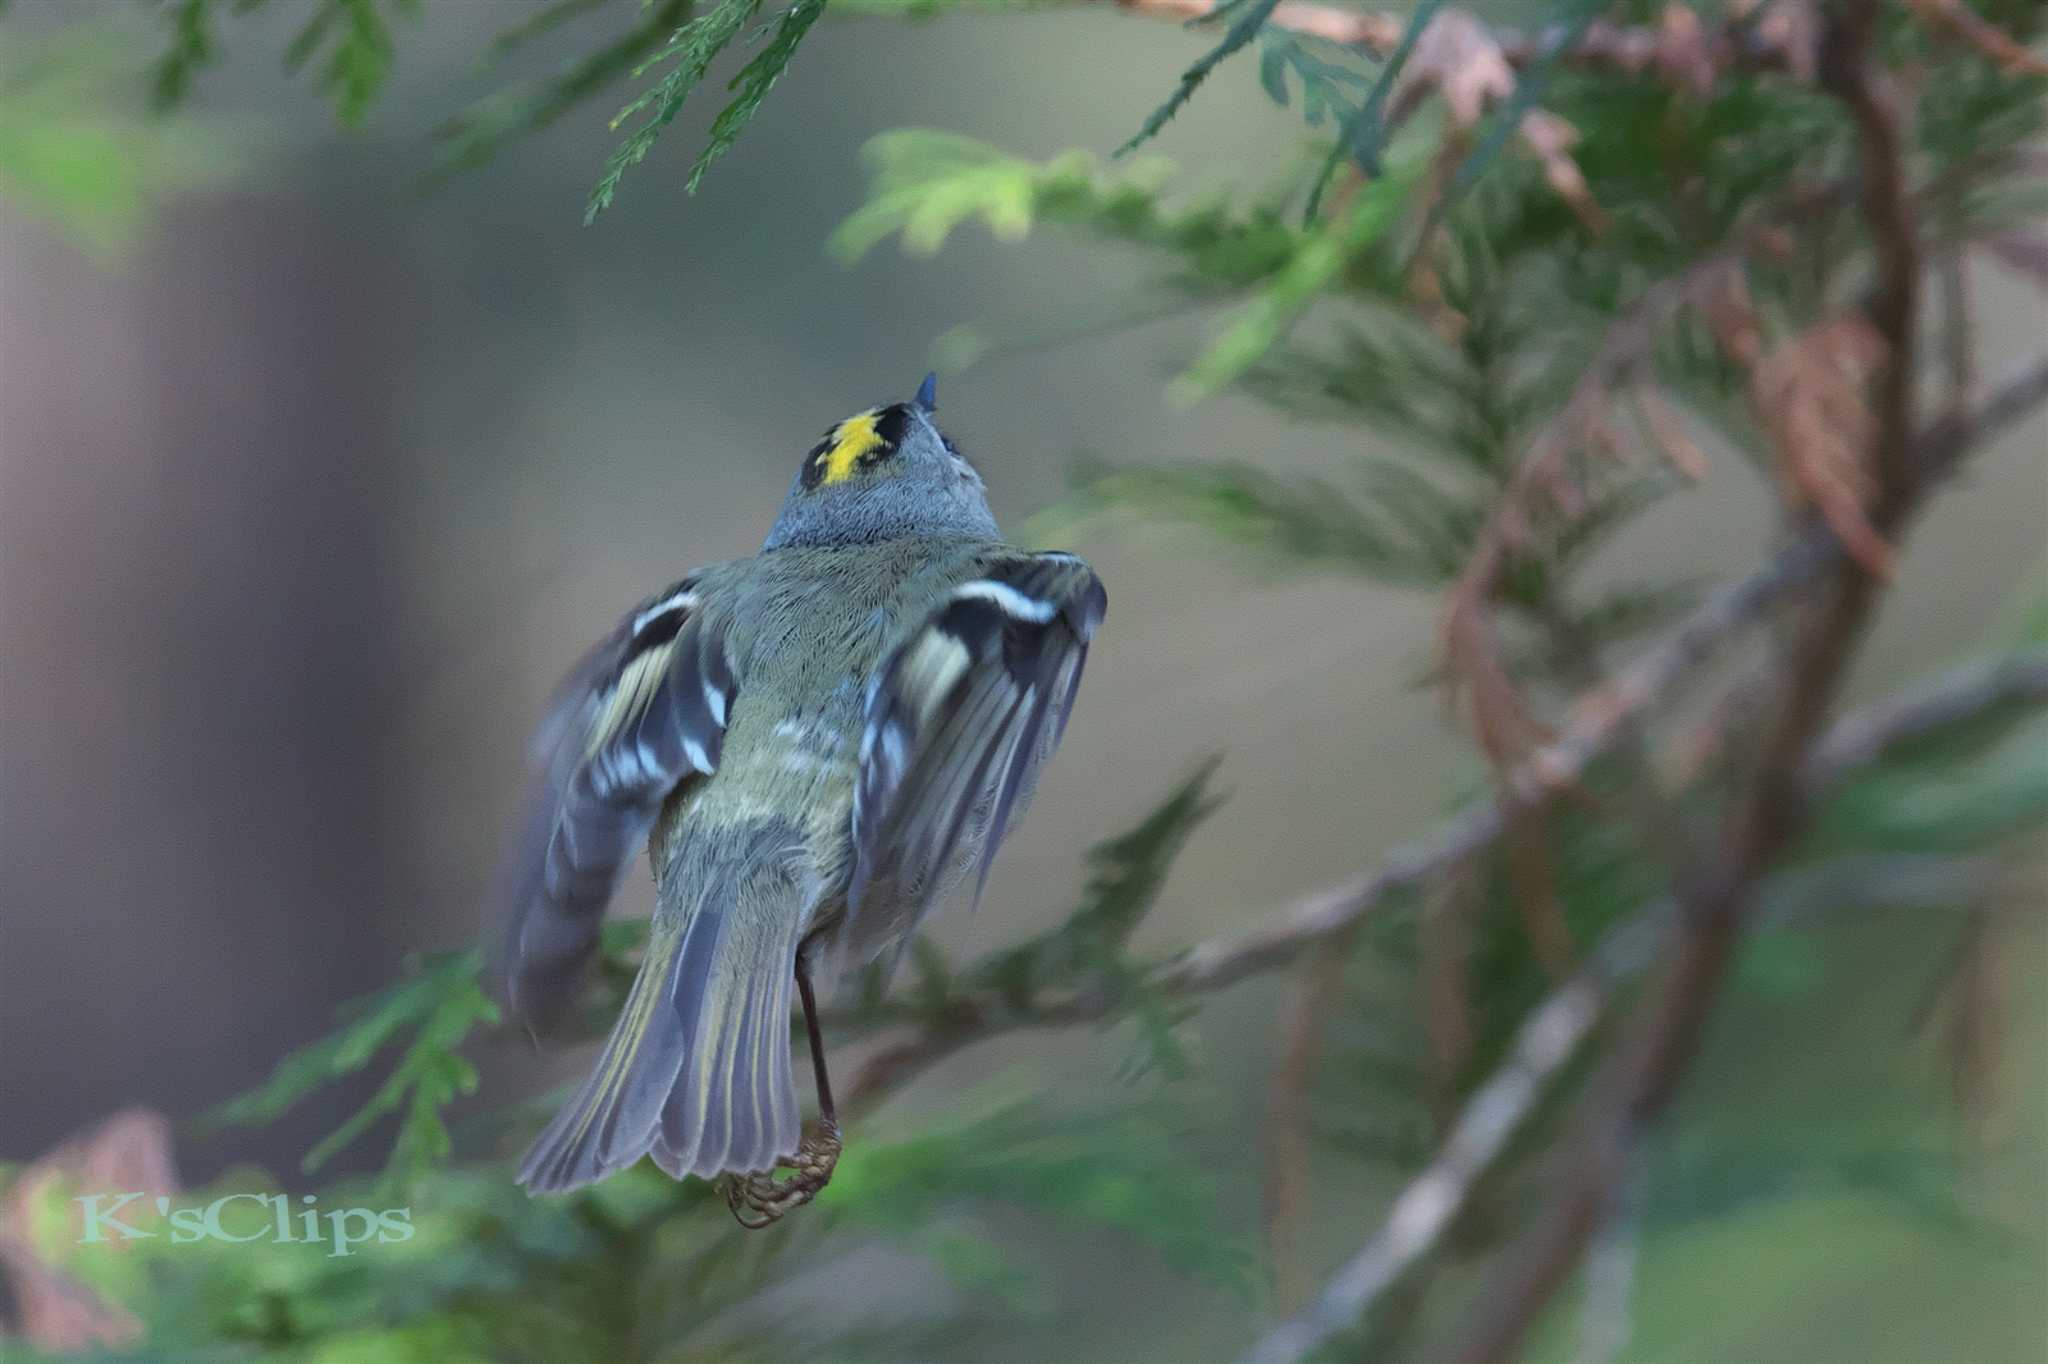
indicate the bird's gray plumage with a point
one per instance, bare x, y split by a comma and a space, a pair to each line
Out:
840, 728
930, 492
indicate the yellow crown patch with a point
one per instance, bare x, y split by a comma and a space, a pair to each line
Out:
866, 438
850, 440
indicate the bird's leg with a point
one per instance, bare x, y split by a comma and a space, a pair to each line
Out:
760, 1200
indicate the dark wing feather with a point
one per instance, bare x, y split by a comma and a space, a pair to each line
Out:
959, 719
644, 710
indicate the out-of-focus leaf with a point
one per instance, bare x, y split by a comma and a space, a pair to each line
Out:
1304, 521
71, 151
491, 123
1319, 261
754, 82
1966, 791
693, 48
1363, 135
928, 183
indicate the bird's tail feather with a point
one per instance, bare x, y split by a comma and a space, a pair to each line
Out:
697, 1069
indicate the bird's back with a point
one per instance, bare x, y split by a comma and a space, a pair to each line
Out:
810, 626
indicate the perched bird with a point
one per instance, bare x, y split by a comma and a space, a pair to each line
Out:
822, 739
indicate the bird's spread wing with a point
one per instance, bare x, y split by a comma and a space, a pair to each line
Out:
960, 718
644, 710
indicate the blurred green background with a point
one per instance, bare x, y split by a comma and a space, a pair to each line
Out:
311, 482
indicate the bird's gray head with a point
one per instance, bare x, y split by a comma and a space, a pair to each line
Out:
885, 474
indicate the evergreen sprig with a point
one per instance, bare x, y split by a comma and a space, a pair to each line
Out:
1362, 136
490, 124
692, 48
754, 82
435, 1009
1247, 18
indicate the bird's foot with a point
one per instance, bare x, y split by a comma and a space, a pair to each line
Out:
761, 1200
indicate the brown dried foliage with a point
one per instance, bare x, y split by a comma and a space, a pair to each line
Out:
1679, 47
1973, 1033
1552, 139
1810, 394
1316, 990
1667, 433
1547, 485
129, 1152
1967, 1005
1461, 60
1530, 861
1458, 58
1445, 939
1555, 482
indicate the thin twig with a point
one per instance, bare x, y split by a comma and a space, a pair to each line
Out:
1317, 987
1958, 332
1606, 1318
1444, 934
1417, 1220
1651, 807
1979, 693
1549, 1038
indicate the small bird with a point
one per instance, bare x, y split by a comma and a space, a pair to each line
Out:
822, 740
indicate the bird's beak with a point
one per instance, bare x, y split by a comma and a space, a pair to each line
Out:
928, 394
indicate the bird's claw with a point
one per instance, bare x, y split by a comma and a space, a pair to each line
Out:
760, 1200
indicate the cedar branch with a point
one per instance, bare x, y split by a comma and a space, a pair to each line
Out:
1659, 1042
